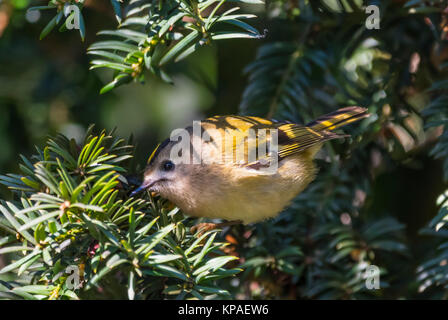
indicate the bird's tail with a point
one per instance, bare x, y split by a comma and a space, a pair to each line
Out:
338, 118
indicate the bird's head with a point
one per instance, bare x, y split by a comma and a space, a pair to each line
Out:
161, 170
163, 174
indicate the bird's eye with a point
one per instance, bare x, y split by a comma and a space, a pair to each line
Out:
168, 165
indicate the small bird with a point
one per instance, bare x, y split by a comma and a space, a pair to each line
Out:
229, 182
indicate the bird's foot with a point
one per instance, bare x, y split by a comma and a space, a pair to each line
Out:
202, 228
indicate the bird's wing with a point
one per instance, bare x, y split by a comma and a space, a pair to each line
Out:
238, 139
254, 142
298, 138
295, 138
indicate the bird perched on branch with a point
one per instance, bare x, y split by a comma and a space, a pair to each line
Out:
240, 168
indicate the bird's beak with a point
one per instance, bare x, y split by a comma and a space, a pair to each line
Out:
145, 185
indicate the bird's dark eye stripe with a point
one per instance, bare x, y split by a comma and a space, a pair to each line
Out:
168, 165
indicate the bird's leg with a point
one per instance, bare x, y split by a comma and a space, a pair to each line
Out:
201, 228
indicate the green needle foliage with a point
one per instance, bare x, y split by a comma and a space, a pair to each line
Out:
334, 61
72, 216
152, 33
433, 272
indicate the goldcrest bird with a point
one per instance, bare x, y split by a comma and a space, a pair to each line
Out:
231, 180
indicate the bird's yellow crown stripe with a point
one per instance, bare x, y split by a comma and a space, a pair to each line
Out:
153, 153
